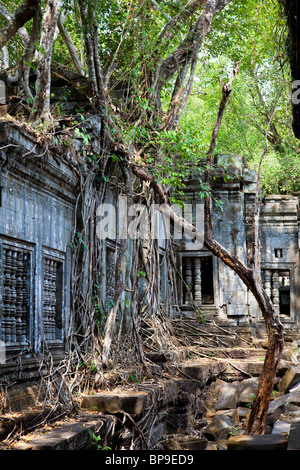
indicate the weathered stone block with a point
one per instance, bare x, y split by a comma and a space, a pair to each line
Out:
233, 415
281, 427
290, 378
294, 437
275, 410
130, 402
226, 395
219, 428
261, 442
247, 388
21, 397
289, 354
203, 370
68, 437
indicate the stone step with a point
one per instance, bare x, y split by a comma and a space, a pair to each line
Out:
261, 442
69, 436
294, 437
234, 352
129, 401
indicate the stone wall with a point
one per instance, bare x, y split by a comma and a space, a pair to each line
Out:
233, 304
38, 196
37, 213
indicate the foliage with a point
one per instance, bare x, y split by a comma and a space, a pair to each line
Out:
251, 32
129, 33
95, 441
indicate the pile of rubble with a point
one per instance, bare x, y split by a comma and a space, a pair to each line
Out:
228, 404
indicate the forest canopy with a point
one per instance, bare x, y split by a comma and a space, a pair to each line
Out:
135, 36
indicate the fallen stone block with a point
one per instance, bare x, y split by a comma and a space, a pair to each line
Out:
202, 370
233, 415
176, 442
226, 394
219, 428
283, 367
294, 437
243, 412
290, 378
281, 427
275, 410
289, 354
73, 436
131, 402
247, 388
261, 442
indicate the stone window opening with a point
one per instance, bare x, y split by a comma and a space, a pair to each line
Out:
198, 280
110, 273
52, 300
277, 286
162, 278
15, 287
278, 252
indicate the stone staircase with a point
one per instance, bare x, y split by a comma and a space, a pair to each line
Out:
163, 411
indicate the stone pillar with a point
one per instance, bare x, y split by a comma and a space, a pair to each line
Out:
197, 274
275, 290
267, 282
188, 279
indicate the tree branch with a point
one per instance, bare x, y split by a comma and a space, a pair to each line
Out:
186, 53
70, 45
23, 14
226, 92
41, 108
22, 31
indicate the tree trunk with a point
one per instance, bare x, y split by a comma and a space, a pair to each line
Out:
41, 108
119, 282
250, 277
257, 419
24, 65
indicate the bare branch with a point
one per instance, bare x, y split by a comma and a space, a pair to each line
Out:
159, 8
226, 92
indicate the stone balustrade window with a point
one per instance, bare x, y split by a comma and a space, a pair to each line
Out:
198, 285
111, 257
15, 296
52, 299
277, 287
31, 297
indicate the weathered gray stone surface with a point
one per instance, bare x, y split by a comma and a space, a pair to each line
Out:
233, 415
294, 437
290, 355
73, 436
261, 442
225, 395
247, 388
290, 378
219, 428
281, 427
130, 402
